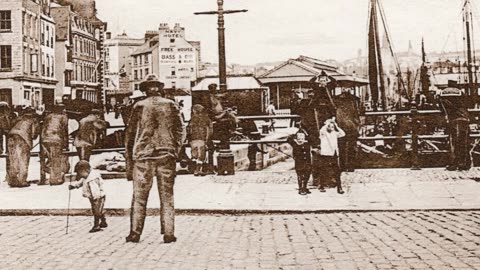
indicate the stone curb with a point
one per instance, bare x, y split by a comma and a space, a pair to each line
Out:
156, 211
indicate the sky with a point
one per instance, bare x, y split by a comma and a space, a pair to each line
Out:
276, 30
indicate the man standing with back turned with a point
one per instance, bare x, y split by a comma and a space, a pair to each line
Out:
153, 140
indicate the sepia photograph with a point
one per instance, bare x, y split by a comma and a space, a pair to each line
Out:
239, 134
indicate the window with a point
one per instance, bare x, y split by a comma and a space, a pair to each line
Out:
146, 59
5, 58
68, 77
5, 20
135, 75
141, 74
42, 34
47, 73
47, 33
137, 86
146, 72
25, 22
43, 65
51, 67
26, 94
33, 25
33, 63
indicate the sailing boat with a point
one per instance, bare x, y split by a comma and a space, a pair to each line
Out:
375, 64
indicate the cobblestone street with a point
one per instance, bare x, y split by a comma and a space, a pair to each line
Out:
375, 240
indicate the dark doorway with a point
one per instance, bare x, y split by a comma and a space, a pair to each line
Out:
48, 97
6, 96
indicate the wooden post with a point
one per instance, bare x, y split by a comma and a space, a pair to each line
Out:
278, 97
415, 127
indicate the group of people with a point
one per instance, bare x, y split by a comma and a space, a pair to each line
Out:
52, 128
325, 144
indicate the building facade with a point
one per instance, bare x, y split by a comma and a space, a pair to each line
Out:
118, 66
79, 51
178, 58
168, 54
143, 58
27, 53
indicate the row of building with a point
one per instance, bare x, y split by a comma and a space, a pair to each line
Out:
53, 50
165, 52
50, 50
60, 50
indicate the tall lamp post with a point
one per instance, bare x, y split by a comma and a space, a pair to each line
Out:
222, 69
225, 160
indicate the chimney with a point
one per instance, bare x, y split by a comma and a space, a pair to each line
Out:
178, 27
163, 26
150, 34
108, 35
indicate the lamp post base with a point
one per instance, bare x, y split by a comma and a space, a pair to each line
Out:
225, 162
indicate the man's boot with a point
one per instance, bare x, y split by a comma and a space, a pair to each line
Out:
300, 186
96, 225
196, 170
133, 238
305, 188
169, 239
103, 222
201, 170
339, 187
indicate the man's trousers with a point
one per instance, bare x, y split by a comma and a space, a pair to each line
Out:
53, 160
347, 147
17, 161
459, 155
143, 172
85, 152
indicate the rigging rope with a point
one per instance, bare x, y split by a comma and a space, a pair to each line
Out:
390, 45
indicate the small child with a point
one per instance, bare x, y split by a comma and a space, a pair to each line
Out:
303, 160
199, 132
92, 183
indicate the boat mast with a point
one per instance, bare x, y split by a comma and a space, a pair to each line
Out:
372, 58
468, 15
375, 66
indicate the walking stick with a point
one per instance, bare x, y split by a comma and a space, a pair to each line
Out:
69, 192
68, 207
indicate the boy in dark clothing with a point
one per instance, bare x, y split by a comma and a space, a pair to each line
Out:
92, 183
303, 160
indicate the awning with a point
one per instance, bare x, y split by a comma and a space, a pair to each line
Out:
233, 83
286, 79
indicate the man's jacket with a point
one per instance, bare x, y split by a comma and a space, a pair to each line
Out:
348, 113
200, 125
89, 131
27, 127
4, 116
155, 129
55, 129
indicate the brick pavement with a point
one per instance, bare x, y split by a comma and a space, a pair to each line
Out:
381, 240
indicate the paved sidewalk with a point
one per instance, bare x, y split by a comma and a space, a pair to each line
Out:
261, 192
343, 241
